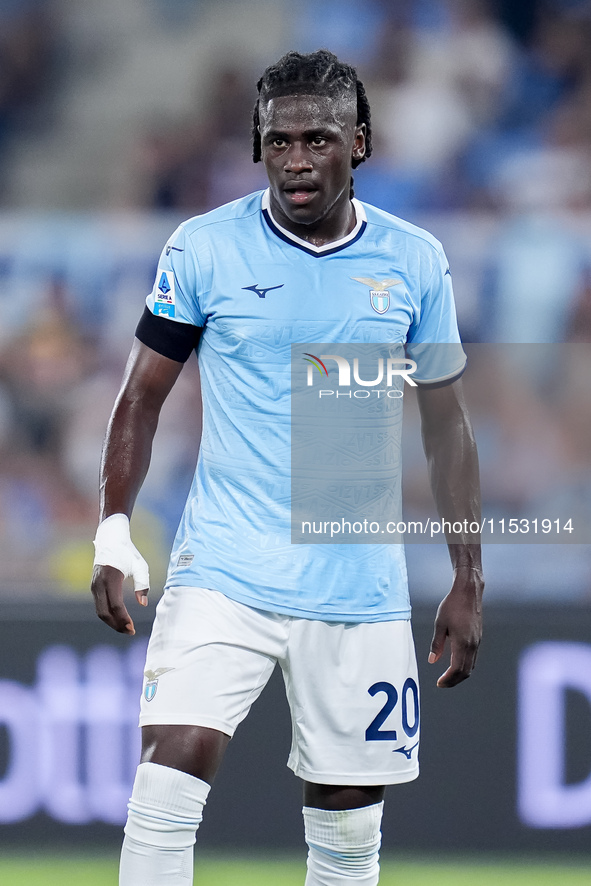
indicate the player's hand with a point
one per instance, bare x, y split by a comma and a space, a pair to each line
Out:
116, 558
459, 618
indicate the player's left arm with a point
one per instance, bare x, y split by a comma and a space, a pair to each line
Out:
452, 458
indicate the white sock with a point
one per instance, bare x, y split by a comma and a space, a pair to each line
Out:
343, 846
165, 810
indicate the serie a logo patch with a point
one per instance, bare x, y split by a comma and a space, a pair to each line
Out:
164, 293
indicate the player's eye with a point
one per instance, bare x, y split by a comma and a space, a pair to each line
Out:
279, 143
318, 141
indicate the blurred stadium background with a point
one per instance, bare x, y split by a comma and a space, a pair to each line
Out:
119, 118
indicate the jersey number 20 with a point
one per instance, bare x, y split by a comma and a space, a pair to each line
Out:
373, 731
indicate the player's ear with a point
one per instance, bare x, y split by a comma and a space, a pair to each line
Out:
359, 142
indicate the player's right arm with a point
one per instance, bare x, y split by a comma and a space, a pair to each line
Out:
149, 378
167, 334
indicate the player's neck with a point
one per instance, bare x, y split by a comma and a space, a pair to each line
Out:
334, 226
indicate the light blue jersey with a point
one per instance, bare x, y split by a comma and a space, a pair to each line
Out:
257, 289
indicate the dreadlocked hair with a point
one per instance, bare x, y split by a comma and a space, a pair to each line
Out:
318, 73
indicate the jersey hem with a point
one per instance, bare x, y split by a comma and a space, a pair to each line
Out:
310, 614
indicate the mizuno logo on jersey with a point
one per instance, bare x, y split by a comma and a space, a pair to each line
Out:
379, 297
260, 291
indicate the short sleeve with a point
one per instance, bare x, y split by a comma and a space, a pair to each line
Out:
178, 284
433, 339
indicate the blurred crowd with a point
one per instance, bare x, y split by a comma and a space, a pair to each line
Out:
69, 310
482, 130
476, 104
28, 63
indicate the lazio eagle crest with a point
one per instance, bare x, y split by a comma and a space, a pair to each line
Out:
379, 297
152, 684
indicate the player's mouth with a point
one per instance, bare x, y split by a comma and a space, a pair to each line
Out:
299, 193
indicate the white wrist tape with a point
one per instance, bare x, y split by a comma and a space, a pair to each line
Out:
113, 547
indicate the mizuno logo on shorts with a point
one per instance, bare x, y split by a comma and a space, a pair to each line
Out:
406, 751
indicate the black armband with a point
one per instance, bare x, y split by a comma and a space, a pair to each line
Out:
177, 341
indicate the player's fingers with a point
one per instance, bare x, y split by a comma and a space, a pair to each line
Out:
120, 619
141, 579
99, 586
451, 678
437, 642
141, 574
142, 596
460, 667
107, 590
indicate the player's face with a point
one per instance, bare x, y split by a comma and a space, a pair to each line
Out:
308, 143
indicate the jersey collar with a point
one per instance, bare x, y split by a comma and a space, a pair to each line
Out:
328, 248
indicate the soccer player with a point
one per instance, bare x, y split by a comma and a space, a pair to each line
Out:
243, 283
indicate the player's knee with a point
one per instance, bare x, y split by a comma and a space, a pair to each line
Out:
343, 844
166, 807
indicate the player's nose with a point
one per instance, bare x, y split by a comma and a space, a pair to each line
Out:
297, 159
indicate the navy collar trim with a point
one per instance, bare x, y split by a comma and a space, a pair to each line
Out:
316, 251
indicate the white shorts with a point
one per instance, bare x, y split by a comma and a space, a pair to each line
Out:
352, 688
